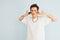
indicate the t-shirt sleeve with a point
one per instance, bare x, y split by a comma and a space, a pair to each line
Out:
24, 20
47, 20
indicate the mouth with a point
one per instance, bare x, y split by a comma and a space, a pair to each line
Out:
33, 13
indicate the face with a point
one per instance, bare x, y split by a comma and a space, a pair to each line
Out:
33, 10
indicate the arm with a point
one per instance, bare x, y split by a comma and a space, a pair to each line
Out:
50, 16
22, 17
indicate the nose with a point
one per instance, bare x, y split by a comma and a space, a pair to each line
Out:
33, 11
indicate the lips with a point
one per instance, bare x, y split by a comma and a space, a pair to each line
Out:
32, 14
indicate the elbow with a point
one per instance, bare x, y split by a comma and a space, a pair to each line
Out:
19, 19
54, 20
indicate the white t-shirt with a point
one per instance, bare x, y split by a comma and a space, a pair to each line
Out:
35, 31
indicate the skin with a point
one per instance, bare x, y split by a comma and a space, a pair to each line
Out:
35, 12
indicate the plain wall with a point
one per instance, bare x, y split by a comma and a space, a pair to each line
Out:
12, 29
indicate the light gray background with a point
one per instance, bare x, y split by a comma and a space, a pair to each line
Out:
12, 29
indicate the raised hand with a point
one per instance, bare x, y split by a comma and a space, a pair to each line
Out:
22, 17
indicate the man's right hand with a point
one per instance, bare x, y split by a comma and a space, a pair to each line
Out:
22, 17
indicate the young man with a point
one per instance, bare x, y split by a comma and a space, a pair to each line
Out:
36, 22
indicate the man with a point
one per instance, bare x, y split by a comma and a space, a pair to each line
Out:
36, 22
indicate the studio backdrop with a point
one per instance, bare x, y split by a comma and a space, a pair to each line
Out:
12, 29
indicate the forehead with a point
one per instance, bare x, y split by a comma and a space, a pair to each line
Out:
34, 8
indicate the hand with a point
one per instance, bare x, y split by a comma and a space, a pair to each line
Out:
40, 13
43, 13
26, 14
22, 17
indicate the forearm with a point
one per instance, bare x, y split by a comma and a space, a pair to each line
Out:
22, 17
53, 18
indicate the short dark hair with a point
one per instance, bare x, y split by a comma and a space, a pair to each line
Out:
34, 5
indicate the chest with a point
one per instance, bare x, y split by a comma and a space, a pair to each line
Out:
35, 22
